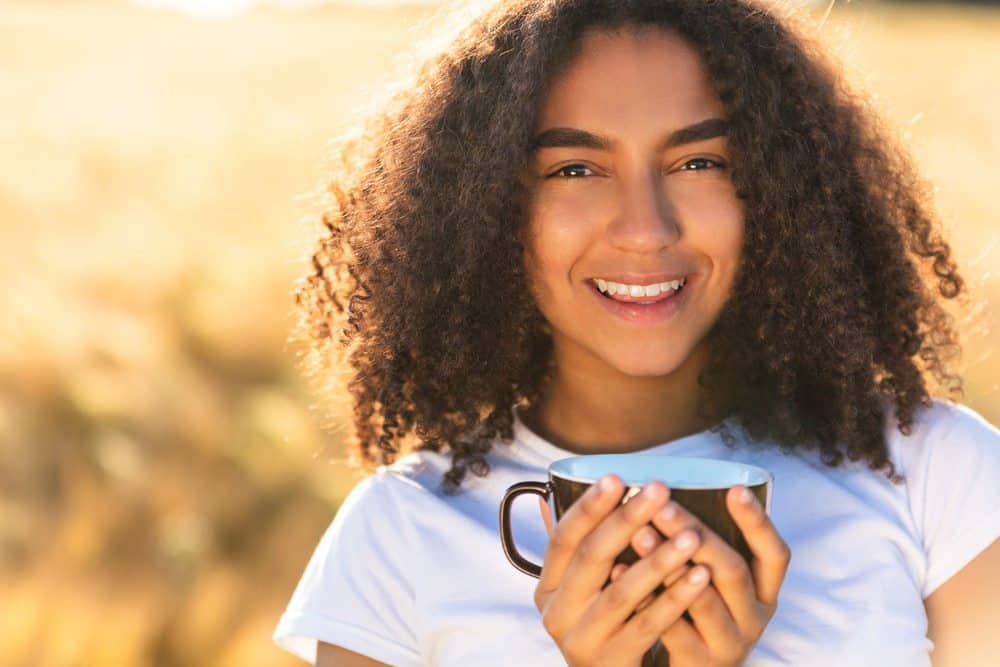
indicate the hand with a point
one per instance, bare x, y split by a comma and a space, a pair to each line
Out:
730, 615
590, 619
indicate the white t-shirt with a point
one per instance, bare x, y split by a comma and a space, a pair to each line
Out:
410, 576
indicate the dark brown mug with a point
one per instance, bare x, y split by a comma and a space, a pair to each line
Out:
697, 484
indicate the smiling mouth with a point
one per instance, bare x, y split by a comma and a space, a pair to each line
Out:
624, 294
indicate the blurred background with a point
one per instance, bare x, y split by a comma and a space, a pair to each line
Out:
165, 472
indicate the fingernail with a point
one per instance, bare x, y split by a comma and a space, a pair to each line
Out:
669, 511
646, 539
606, 484
651, 492
684, 541
746, 496
698, 575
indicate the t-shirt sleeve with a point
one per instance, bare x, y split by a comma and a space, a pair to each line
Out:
954, 488
356, 590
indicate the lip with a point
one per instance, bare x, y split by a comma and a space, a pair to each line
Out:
640, 278
626, 297
636, 313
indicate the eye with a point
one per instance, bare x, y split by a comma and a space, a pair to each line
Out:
574, 167
699, 164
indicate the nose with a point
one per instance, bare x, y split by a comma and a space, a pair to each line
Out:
644, 220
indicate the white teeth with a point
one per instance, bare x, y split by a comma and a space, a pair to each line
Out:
612, 288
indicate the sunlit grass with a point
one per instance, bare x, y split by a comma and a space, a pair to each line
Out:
162, 478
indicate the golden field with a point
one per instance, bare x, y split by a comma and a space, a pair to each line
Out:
164, 473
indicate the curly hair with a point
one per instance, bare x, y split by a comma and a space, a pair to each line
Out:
417, 291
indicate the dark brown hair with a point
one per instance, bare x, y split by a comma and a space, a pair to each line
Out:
417, 287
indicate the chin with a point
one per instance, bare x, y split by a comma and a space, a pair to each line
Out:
649, 364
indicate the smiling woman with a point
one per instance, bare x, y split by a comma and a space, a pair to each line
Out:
602, 226
637, 111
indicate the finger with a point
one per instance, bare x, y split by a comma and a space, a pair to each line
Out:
730, 572
673, 576
544, 507
590, 559
645, 540
771, 554
595, 554
578, 521
664, 612
626, 595
643, 603
644, 548
716, 626
682, 639
617, 570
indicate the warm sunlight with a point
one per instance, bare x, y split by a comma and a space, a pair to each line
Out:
166, 468
204, 8
227, 8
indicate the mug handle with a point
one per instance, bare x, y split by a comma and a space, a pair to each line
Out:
543, 489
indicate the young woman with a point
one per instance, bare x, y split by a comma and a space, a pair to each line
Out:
659, 226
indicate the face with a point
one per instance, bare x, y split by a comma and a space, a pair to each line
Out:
631, 187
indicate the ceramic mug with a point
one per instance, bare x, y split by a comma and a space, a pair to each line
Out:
697, 484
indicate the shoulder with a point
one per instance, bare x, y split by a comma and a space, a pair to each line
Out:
951, 466
410, 481
948, 415
391, 485
375, 513
943, 435
418, 473
422, 471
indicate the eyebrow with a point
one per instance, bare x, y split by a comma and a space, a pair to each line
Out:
571, 137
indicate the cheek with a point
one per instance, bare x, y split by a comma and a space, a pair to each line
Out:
727, 239
558, 237
570, 212
717, 223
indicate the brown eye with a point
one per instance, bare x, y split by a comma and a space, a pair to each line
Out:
574, 167
700, 163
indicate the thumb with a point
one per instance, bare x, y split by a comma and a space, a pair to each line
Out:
543, 506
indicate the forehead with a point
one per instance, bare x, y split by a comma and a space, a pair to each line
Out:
618, 77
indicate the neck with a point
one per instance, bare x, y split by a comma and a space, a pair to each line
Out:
619, 413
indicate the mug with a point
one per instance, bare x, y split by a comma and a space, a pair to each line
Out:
697, 484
